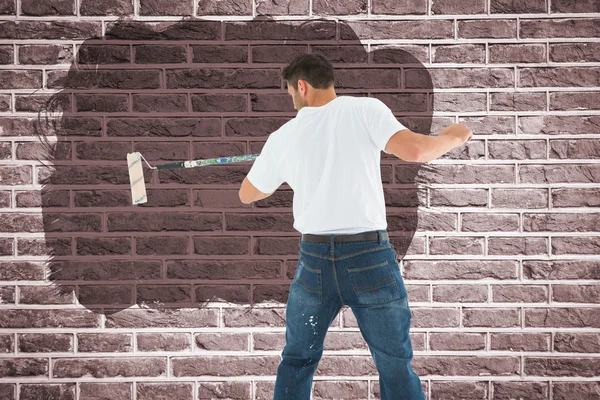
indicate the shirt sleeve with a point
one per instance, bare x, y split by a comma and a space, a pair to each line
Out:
264, 173
381, 123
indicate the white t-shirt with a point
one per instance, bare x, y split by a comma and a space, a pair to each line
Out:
330, 157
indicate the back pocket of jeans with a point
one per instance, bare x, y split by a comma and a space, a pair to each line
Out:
374, 284
307, 286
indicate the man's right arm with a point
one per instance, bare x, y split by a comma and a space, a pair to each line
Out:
410, 146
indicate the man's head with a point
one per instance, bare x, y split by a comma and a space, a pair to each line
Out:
307, 77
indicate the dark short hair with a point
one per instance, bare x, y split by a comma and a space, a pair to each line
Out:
314, 68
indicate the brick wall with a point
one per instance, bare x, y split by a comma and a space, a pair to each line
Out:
184, 297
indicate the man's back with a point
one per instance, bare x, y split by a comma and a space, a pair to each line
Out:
330, 157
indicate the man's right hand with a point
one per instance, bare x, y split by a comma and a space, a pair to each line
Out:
460, 131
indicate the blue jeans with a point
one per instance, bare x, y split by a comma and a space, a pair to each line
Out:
365, 276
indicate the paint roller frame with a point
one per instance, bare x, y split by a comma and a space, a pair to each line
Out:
136, 170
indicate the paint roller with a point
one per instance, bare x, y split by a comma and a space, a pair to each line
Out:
136, 172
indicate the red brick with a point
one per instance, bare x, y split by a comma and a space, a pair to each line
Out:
575, 52
164, 103
169, 221
164, 293
460, 53
456, 341
45, 54
219, 102
113, 391
107, 7
524, 245
576, 293
164, 391
435, 317
458, 389
106, 294
162, 245
64, 30
558, 77
559, 28
523, 390
63, 391
8, 7
163, 342
519, 198
7, 391
217, 78
167, 127
458, 7
403, 8
352, 7
381, 30
449, 174
160, 54
275, 30
44, 343
575, 245
554, 124
165, 318
561, 269
88, 270
23, 367
43, 152
576, 342
101, 103
529, 101
518, 7
455, 245
48, 294
466, 365
104, 342
557, 222
29, 79
189, 29
286, 8
223, 366
98, 54
563, 366
460, 293
346, 389
47, 7
44, 247
520, 293
571, 173
236, 245
575, 101
106, 79
572, 197
520, 341
227, 7
396, 54
572, 317
491, 317
163, 151
486, 28
110, 367
488, 222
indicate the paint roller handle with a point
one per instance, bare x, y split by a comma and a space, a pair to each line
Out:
171, 165
210, 161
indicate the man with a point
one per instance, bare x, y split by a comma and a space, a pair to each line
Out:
329, 154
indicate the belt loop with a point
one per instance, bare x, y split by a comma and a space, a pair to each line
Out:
379, 236
332, 243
